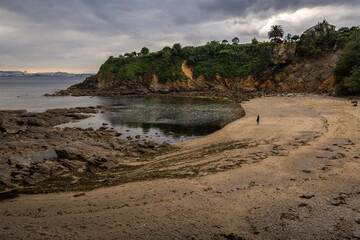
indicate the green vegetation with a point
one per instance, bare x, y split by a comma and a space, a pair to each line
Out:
317, 40
235, 40
276, 32
233, 60
166, 64
229, 61
295, 38
145, 51
347, 71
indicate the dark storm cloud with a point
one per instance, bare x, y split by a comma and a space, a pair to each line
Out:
245, 7
91, 15
80, 34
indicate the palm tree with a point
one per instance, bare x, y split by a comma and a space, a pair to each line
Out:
276, 32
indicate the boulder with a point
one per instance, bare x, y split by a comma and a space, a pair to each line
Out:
17, 173
19, 162
2, 126
43, 170
71, 153
72, 164
101, 162
45, 167
5, 173
12, 193
150, 144
36, 178
76, 116
35, 122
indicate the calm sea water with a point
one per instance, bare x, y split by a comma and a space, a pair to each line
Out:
160, 120
27, 93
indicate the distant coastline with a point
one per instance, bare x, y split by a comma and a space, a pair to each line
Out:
42, 74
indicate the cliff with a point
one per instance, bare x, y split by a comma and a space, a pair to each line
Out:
294, 66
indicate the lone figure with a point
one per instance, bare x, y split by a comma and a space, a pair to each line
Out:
258, 120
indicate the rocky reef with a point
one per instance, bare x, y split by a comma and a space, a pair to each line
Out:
34, 151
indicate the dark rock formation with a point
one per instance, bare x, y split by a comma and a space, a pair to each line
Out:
68, 151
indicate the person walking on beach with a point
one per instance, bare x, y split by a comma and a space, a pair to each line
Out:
258, 120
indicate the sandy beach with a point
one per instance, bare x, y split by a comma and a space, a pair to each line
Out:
296, 175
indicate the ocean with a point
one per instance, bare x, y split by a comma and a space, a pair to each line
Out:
160, 120
28, 93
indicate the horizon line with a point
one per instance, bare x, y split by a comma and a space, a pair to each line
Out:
50, 71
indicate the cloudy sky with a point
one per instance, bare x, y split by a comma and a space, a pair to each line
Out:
79, 35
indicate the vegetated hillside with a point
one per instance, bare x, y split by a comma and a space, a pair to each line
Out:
304, 65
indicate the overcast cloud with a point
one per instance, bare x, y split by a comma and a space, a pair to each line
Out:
79, 35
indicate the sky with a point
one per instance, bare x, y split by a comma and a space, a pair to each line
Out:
79, 35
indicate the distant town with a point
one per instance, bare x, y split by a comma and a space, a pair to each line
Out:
43, 74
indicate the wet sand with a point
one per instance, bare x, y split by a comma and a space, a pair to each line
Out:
295, 176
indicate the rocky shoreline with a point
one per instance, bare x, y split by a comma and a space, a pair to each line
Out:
90, 87
38, 157
295, 175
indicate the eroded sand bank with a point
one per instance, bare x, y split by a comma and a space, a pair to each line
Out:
295, 176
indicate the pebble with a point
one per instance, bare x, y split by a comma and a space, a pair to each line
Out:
79, 195
307, 196
356, 233
336, 202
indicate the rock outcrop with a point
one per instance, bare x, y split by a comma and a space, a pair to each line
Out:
33, 151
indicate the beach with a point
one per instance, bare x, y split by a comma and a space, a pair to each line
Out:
293, 176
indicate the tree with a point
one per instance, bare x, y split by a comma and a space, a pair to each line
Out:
295, 38
317, 40
176, 49
235, 40
166, 48
288, 37
347, 70
133, 54
276, 32
352, 82
344, 29
224, 41
254, 41
144, 51
166, 54
322, 28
